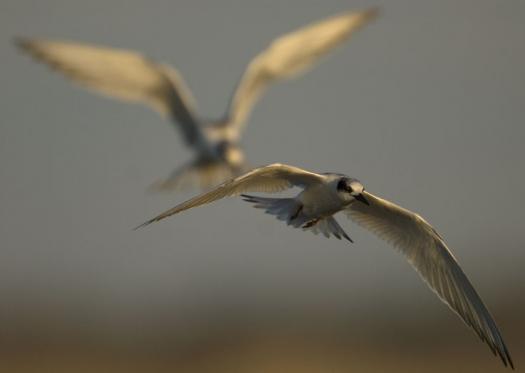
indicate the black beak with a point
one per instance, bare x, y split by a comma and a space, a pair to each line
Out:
361, 198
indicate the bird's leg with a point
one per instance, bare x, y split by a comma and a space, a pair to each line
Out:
296, 214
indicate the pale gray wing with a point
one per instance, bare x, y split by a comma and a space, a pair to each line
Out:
121, 74
426, 251
290, 55
270, 179
201, 173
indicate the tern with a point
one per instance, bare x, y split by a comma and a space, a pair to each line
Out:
324, 195
129, 76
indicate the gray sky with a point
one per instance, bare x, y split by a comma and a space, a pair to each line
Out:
425, 106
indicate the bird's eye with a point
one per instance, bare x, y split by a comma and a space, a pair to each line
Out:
344, 185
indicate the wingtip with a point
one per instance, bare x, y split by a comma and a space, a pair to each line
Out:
502, 351
26, 45
348, 238
21, 42
372, 12
511, 363
143, 225
363, 17
507, 360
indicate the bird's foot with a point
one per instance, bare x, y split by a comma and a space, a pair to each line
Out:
296, 214
311, 223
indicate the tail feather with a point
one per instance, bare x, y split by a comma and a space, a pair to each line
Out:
285, 209
290, 211
328, 227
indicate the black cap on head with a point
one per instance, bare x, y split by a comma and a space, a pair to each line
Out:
344, 185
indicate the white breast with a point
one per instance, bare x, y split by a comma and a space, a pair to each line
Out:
320, 200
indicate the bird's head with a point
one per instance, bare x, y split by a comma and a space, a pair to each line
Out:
351, 189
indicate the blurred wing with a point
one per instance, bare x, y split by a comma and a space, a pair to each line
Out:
203, 174
427, 253
121, 74
290, 55
270, 179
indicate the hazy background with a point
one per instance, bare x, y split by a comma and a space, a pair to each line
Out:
425, 106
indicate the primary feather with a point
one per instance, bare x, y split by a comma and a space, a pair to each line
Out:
426, 251
121, 74
290, 55
270, 179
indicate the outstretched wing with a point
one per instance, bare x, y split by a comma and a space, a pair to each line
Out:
426, 251
270, 179
290, 55
121, 74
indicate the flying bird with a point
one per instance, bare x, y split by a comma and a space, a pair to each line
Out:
129, 76
324, 195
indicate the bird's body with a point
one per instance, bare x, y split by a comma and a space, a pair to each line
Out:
129, 76
322, 200
324, 195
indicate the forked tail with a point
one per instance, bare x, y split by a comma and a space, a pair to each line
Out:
291, 211
285, 209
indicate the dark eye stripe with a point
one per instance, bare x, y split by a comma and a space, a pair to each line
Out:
344, 184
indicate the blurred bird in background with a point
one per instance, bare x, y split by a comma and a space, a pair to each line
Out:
129, 76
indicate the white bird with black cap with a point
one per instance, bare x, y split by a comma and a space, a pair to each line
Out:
325, 194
